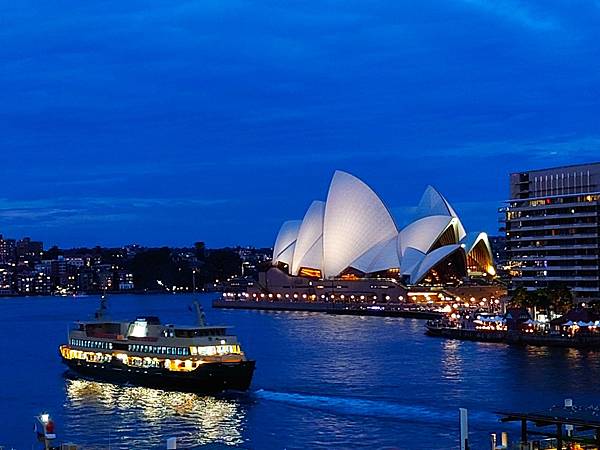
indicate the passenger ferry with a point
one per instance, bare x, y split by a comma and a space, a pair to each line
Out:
144, 352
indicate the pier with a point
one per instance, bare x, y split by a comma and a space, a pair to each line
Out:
560, 427
517, 327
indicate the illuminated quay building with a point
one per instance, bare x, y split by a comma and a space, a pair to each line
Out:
552, 229
348, 248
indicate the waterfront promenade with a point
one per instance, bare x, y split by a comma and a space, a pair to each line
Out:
351, 309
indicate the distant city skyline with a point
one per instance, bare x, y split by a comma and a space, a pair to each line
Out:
165, 123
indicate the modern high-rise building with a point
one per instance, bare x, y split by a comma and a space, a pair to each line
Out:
7, 250
553, 229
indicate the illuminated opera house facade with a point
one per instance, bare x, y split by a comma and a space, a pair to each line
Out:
349, 246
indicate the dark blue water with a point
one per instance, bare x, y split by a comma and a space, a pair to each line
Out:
321, 382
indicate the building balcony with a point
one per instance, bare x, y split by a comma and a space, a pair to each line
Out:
555, 257
554, 206
551, 268
555, 216
557, 278
530, 248
551, 227
514, 238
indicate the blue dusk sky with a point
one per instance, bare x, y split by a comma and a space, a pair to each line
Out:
167, 122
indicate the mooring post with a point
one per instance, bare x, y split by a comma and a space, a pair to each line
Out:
464, 429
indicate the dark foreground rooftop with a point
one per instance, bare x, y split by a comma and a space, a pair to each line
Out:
579, 424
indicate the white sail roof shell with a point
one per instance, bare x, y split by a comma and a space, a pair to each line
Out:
433, 204
423, 233
313, 258
430, 260
472, 239
287, 254
411, 260
382, 256
355, 221
285, 239
309, 233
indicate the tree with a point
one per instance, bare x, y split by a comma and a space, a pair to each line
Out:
522, 298
150, 266
561, 299
557, 300
200, 250
221, 264
53, 253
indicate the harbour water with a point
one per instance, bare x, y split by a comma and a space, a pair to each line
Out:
322, 381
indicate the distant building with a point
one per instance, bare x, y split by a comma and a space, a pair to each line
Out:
77, 262
125, 280
5, 282
104, 275
28, 251
44, 266
552, 229
33, 283
58, 271
7, 250
85, 280
500, 253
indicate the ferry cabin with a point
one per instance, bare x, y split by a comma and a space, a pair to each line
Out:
145, 343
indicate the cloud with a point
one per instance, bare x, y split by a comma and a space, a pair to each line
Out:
75, 210
175, 116
516, 12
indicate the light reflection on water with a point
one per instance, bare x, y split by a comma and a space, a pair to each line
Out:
452, 361
137, 417
322, 382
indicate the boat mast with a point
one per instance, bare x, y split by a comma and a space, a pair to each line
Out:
101, 311
201, 317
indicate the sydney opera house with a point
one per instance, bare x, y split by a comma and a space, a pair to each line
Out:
352, 238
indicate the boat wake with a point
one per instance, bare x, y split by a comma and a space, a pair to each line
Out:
372, 408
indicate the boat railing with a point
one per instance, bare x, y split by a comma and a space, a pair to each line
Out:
542, 444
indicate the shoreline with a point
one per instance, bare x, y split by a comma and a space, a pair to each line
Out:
328, 308
95, 294
516, 338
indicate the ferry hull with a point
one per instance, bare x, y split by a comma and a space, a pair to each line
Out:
212, 377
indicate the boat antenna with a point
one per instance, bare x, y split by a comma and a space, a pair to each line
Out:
201, 317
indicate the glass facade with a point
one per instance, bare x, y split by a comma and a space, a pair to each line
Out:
552, 229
